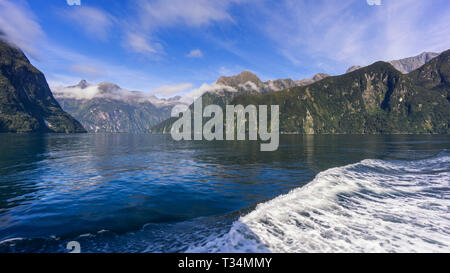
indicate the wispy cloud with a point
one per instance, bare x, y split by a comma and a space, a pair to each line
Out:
411, 27
19, 26
86, 70
194, 94
170, 90
140, 43
95, 70
17, 23
195, 53
153, 15
95, 22
162, 13
352, 32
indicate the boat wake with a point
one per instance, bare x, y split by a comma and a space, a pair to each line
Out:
371, 206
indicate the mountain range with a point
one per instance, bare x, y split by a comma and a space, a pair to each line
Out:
226, 89
404, 96
377, 99
106, 107
26, 102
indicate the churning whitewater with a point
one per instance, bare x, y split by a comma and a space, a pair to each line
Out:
371, 206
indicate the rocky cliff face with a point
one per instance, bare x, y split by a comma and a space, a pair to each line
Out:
26, 102
410, 64
240, 79
106, 107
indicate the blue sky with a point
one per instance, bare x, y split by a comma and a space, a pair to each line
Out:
171, 47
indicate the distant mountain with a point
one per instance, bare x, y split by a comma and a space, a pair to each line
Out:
227, 88
240, 79
353, 68
26, 102
408, 64
247, 82
106, 107
316, 78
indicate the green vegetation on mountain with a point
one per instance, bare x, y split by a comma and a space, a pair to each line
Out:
230, 87
26, 102
377, 99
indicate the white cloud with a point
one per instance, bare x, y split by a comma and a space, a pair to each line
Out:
412, 27
343, 33
156, 14
95, 22
76, 92
170, 90
160, 13
86, 70
140, 44
94, 70
195, 53
109, 91
192, 95
17, 23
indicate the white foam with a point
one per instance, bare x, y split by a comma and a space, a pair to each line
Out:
371, 206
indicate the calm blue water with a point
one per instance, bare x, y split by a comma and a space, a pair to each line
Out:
147, 193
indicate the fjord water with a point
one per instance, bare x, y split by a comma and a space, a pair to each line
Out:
148, 193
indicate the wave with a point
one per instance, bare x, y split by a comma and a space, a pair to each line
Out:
370, 206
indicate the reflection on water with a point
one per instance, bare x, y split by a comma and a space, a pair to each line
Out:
68, 185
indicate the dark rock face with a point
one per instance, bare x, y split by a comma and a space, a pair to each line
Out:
26, 102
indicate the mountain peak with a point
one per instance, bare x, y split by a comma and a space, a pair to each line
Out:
353, 68
407, 65
320, 76
83, 84
107, 87
241, 78
315, 78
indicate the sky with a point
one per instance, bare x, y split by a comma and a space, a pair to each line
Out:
173, 47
